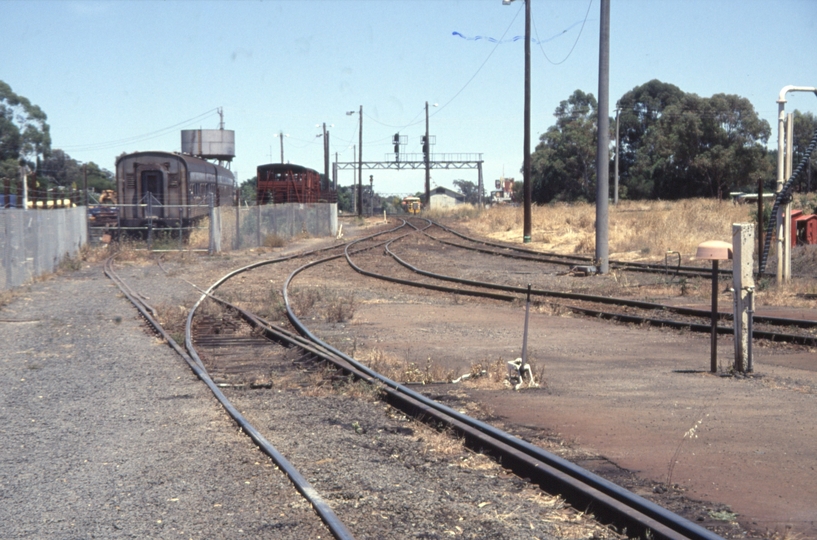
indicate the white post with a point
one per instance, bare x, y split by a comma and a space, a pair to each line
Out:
781, 122
743, 237
25, 187
787, 221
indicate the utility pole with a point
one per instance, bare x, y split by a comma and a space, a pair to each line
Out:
360, 168
427, 159
326, 154
603, 148
527, 190
354, 185
526, 180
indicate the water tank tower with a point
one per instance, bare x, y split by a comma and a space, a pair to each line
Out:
209, 143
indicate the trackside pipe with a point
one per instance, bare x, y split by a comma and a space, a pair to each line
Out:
784, 229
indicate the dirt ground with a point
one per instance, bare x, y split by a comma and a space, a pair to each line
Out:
633, 404
636, 405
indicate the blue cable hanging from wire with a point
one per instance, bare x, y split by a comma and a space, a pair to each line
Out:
516, 38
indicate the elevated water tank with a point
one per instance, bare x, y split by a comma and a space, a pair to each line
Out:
209, 143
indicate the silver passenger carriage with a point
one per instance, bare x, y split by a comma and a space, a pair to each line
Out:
169, 189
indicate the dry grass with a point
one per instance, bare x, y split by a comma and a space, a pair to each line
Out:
7, 297
402, 369
173, 319
274, 241
636, 229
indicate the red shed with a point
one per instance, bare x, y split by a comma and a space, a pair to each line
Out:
803, 228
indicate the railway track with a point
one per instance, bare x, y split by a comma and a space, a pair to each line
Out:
241, 351
586, 490
339, 530
803, 331
610, 502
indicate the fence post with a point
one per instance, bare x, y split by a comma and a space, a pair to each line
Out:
258, 225
237, 223
212, 244
149, 216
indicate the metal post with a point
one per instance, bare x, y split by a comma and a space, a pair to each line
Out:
354, 185
181, 231
258, 225
149, 215
525, 334
281, 136
526, 166
427, 159
750, 328
713, 342
781, 118
760, 226
618, 151
85, 189
360, 168
603, 148
237, 220
787, 222
335, 173
211, 243
326, 153
480, 185
25, 187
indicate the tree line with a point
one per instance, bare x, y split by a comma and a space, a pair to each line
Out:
25, 141
672, 145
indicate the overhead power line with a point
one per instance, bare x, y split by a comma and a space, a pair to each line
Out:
138, 138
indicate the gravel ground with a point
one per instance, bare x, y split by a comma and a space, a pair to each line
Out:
106, 433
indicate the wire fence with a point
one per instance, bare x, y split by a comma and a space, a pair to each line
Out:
222, 228
268, 225
33, 242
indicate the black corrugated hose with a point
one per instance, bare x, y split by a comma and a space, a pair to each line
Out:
783, 197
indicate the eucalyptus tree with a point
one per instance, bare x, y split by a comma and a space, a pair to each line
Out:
563, 165
24, 132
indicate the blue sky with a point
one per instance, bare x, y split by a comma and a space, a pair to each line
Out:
122, 76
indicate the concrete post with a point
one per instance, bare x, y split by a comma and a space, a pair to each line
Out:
743, 238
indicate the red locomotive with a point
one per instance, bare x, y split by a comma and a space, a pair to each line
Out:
287, 183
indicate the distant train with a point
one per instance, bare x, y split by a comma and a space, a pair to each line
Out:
412, 205
288, 183
153, 186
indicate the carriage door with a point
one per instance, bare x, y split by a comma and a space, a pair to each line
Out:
153, 189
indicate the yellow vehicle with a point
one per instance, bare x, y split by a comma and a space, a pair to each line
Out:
412, 205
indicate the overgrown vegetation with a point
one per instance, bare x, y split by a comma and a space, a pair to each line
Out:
331, 305
637, 229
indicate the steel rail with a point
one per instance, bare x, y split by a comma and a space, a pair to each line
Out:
691, 312
322, 508
541, 472
581, 487
633, 266
188, 337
